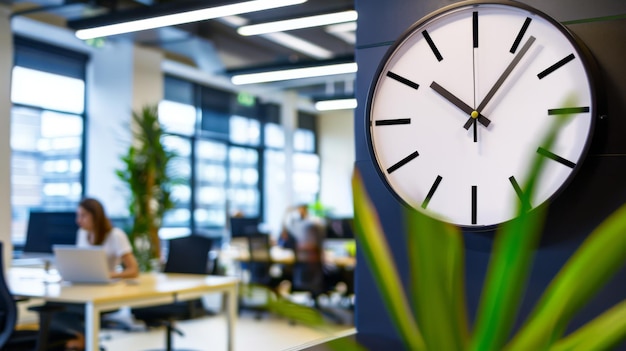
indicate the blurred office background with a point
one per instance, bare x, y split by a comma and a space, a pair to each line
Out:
255, 149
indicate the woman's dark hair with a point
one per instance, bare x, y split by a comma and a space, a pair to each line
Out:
101, 223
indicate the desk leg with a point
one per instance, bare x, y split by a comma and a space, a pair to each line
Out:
231, 316
92, 327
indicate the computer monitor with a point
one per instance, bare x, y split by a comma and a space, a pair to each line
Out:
340, 228
46, 229
243, 226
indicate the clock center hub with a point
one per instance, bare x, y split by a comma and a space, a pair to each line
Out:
474, 114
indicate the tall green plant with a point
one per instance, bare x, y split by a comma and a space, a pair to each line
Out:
148, 177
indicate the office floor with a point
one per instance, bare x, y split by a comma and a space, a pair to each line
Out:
270, 333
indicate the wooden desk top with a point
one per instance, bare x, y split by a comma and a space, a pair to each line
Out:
33, 282
284, 256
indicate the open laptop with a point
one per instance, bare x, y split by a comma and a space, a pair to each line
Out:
82, 265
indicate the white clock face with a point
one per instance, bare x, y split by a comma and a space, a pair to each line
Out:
512, 67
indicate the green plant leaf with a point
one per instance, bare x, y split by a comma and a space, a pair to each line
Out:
437, 280
380, 261
310, 317
602, 333
512, 254
595, 261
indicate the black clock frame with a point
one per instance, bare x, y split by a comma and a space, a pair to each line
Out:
584, 54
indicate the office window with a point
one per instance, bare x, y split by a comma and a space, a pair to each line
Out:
245, 131
304, 140
211, 184
52, 91
178, 220
274, 136
47, 131
179, 121
237, 158
306, 163
274, 200
243, 191
177, 118
306, 179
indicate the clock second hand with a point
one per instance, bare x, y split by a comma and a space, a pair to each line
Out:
502, 78
460, 104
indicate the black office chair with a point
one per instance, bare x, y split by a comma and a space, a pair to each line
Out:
26, 340
260, 279
188, 255
309, 275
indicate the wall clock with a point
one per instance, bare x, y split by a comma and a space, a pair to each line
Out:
461, 102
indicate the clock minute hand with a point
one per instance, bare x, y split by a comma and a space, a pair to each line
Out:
503, 77
458, 103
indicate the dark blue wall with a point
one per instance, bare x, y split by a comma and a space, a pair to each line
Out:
597, 190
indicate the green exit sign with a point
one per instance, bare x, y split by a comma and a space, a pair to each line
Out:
246, 99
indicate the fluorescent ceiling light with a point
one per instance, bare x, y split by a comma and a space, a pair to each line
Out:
339, 104
183, 17
301, 45
344, 31
285, 39
298, 23
294, 73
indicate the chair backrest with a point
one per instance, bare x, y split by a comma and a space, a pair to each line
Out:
308, 269
260, 258
259, 247
8, 308
189, 254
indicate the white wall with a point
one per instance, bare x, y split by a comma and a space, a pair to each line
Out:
148, 77
6, 64
122, 78
109, 103
336, 147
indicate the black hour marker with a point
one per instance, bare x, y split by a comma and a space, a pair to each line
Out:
391, 122
402, 80
543, 152
474, 203
431, 192
556, 66
402, 162
520, 35
432, 46
568, 110
475, 28
520, 194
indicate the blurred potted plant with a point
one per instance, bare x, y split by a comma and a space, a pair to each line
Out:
147, 175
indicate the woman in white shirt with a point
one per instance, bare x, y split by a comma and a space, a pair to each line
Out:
95, 229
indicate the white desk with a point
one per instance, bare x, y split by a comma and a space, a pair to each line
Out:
147, 290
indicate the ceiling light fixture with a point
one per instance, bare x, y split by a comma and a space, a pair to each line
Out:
336, 104
171, 19
285, 39
344, 31
294, 73
298, 23
300, 45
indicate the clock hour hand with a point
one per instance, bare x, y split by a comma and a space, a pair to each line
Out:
460, 104
503, 77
